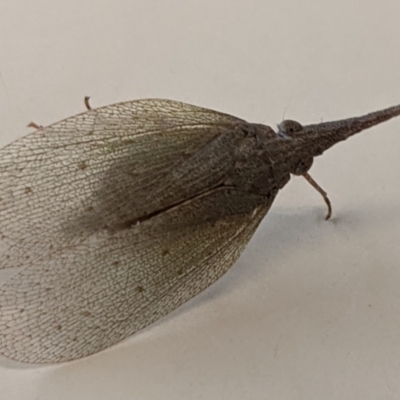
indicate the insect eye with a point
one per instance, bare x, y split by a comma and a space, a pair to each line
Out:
289, 127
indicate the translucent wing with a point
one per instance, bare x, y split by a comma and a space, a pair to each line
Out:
92, 164
81, 286
90, 296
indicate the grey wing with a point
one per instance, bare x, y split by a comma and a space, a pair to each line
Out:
93, 295
91, 164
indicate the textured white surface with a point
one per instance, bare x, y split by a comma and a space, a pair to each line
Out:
312, 308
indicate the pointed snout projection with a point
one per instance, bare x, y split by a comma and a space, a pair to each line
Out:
317, 138
310, 141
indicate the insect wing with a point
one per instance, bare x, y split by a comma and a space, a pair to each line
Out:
93, 295
81, 290
90, 167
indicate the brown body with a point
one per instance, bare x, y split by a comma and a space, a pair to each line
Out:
117, 216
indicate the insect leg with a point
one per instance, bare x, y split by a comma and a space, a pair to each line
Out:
86, 101
321, 192
34, 125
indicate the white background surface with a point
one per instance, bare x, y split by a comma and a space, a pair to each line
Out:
312, 308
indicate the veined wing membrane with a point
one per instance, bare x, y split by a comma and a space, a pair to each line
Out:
93, 295
50, 177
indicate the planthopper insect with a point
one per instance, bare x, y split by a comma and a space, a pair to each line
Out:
117, 216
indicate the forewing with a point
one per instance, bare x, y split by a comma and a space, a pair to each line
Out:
110, 155
88, 297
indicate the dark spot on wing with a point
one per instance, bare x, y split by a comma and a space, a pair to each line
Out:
86, 313
82, 165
